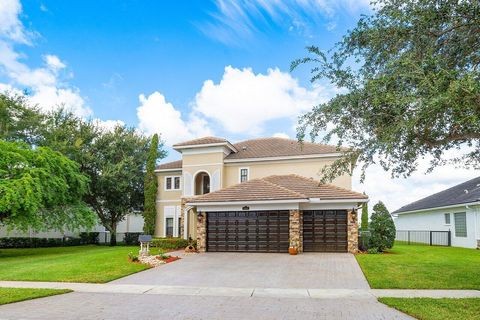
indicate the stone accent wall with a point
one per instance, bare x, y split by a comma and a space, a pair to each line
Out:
296, 230
201, 232
352, 231
183, 201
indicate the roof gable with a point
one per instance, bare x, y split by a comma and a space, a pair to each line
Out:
465, 192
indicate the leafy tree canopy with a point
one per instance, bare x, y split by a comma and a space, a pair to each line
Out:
41, 189
116, 170
410, 87
18, 120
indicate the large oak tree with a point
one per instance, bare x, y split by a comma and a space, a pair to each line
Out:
410, 87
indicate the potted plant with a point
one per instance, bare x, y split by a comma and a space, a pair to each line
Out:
293, 248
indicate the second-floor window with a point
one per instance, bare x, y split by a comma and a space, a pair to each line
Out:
243, 174
172, 183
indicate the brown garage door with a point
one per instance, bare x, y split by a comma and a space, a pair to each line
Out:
251, 231
325, 231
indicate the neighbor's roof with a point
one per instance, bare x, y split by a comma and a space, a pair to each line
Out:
204, 140
278, 187
170, 165
277, 147
466, 192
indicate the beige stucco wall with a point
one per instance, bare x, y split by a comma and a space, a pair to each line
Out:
163, 194
166, 198
228, 174
203, 158
309, 168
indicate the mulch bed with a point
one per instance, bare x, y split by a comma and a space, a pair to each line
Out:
169, 259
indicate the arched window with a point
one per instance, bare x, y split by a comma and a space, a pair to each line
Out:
202, 183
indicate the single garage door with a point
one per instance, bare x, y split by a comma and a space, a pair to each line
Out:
250, 231
325, 231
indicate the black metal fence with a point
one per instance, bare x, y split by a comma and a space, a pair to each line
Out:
432, 238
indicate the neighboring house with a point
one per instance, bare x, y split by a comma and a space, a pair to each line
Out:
131, 223
456, 209
256, 195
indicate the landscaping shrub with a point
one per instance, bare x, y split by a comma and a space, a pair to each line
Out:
26, 242
89, 237
169, 243
373, 251
382, 228
363, 240
133, 257
131, 238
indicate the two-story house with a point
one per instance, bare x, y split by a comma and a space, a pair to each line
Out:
258, 195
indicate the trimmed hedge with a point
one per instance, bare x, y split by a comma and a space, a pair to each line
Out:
25, 242
131, 238
170, 243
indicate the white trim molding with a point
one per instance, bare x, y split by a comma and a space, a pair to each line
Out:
222, 203
195, 146
308, 156
168, 201
203, 164
169, 170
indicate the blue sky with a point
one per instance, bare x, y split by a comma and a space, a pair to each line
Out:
185, 68
116, 50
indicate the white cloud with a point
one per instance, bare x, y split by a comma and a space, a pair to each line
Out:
54, 62
156, 115
242, 102
398, 192
109, 125
10, 25
281, 135
45, 83
244, 19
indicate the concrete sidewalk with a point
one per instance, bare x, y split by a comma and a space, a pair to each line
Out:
302, 293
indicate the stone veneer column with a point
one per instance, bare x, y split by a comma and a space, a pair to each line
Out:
352, 231
296, 230
201, 232
183, 201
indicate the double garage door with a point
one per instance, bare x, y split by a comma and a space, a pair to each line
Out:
268, 231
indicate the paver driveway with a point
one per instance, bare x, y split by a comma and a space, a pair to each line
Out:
226, 270
257, 270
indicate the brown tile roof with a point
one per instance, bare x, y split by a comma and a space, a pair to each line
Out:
284, 187
204, 140
277, 147
170, 165
312, 188
257, 189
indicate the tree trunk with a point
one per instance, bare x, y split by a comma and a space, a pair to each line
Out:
113, 235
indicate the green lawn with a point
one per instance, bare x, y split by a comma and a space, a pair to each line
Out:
96, 264
9, 295
436, 309
422, 267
